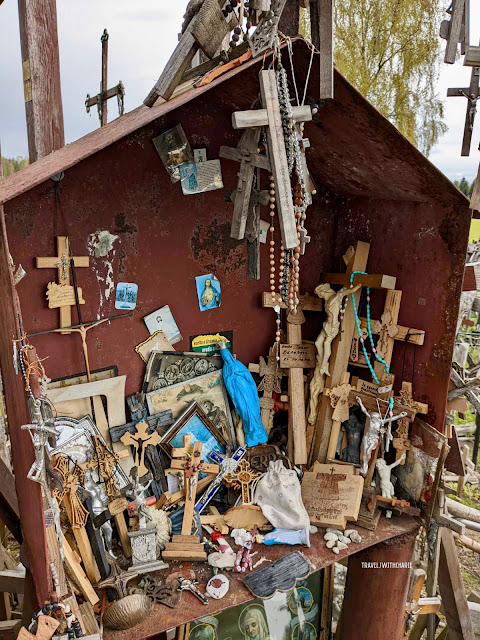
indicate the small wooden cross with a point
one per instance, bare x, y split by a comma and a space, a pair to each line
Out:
472, 93
62, 262
416, 605
388, 330
105, 94
400, 442
140, 441
270, 382
270, 118
339, 399
242, 477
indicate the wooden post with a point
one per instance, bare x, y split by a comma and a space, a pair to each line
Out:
104, 85
29, 493
325, 8
297, 426
41, 76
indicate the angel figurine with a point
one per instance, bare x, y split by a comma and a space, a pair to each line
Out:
375, 429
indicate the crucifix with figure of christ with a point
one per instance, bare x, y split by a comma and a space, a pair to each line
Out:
62, 294
140, 440
472, 93
105, 94
189, 460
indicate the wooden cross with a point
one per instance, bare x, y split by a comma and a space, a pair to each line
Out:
76, 512
252, 232
105, 94
451, 30
472, 93
400, 442
417, 605
356, 260
187, 546
270, 118
62, 262
206, 31
140, 441
271, 376
388, 330
296, 412
105, 462
339, 400
242, 477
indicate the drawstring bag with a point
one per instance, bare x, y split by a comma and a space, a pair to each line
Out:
278, 494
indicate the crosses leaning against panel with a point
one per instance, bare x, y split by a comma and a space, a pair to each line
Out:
472, 93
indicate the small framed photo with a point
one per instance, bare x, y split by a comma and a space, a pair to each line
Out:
174, 149
157, 341
195, 423
126, 295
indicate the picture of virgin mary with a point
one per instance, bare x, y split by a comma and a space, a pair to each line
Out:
253, 624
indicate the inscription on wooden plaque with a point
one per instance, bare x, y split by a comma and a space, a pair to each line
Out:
297, 356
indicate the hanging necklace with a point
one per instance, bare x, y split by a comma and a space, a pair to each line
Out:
277, 297
370, 336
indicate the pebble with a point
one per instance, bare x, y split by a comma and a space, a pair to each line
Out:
342, 545
345, 540
336, 550
348, 532
313, 529
330, 536
336, 531
357, 538
331, 543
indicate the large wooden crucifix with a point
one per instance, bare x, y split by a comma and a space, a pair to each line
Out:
297, 426
356, 260
187, 546
388, 330
62, 262
472, 93
105, 94
270, 118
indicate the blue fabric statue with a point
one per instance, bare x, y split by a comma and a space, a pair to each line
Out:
243, 391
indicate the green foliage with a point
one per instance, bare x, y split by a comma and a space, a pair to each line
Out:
464, 186
470, 495
10, 165
390, 51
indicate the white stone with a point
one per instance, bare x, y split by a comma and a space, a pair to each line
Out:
313, 529
337, 531
218, 586
331, 543
222, 560
356, 538
348, 532
342, 545
336, 550
330, 536
345, 540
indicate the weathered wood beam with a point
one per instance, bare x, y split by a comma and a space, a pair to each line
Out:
41, 76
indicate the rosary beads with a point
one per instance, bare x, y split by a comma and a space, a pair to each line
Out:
278, 332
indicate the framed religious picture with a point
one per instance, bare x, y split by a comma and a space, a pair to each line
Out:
286, 616
194, 422
157, 341
166, 368
174, 149
210, 394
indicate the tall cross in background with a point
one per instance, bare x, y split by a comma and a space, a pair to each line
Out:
105, 94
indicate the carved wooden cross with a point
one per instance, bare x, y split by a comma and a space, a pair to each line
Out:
105, 94
61, 262
388, 330
271, 376
339, 399
140, 441
270, 118
191, 464
242, 477
472, 93
296, 411
401, 442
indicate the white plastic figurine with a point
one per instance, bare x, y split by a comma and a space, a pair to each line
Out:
384, 471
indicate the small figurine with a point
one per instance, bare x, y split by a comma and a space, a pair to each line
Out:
372, 437
243, 392
384, 471
245, 540
100, 501
354, 430
139, 489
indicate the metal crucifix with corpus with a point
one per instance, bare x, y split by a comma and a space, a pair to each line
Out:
105, 94
472, 93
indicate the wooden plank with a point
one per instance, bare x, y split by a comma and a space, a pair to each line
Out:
374, 281
30, 501
296, 398
454, 31
257, 159
41, 77
182, 546
9, 513
278, 159
210, 27
187, 539
104, 82
259, 117
309, 303
76, 570
186, 556
326, 49
248, 145
12, 581
472, 57
338, 359
452, 591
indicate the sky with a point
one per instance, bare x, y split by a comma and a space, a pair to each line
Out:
142, 36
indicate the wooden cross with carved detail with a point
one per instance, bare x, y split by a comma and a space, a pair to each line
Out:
105, 94
472, 93
63, 291
271, 376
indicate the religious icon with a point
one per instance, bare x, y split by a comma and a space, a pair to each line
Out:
200, 177
208, 291
163, 320
253, 624
174, 150
126, 295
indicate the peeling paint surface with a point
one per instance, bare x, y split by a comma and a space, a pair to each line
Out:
101, 245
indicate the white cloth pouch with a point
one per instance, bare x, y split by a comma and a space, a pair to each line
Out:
278, 494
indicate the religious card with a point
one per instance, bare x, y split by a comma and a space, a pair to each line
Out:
200, 177
166, 368
208, 342
157, 341
174, 150
200, 155
263, 231
208, 391
62, 295
208, 291
126, 295
332, 494
162, 320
